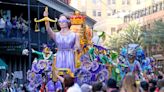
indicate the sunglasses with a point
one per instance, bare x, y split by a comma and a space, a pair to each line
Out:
63, 21
130, 56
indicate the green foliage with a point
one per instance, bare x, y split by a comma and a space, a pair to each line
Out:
132, 34
155, 35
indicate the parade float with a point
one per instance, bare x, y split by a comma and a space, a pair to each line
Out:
93, 63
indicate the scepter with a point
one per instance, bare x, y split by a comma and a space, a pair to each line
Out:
100, 35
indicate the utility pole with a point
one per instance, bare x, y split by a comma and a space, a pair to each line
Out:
38, 26
29, 36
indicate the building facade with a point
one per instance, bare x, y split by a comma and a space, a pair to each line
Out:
110, 13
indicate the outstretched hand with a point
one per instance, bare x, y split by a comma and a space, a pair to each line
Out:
45, 14
7, 74
32, 50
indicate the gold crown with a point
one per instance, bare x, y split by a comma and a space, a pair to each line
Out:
77, 19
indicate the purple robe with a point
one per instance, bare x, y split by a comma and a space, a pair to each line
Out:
65, 54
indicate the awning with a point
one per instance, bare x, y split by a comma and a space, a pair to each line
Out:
3, 65
158, 57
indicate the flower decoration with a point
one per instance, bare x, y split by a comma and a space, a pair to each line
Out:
87, 65
95, 66
35, 67
42, 64
100, 77
48, 68
105, 73
85, 57
31, 76
83, 76
38, 79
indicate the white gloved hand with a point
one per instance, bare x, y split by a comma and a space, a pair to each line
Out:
25, 52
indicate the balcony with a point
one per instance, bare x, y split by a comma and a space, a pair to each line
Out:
144, 12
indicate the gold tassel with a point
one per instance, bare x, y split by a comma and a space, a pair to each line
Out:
54, 77
36, 28
77, 60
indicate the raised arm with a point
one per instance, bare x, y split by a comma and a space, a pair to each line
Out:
59, 77
48, 28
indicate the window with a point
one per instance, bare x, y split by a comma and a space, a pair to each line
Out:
94, 12
125, 19
113, 1
123, 2
94, 1
108, 2
112, 30
98, 3
160, 20
128, 2
99, 13
148, 26
138, 1
114, 12
160, 6
108, 14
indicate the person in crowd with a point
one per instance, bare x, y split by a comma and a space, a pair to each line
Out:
134, 65
67, 42
161, 75
8, 27
9, 88
24, 89
144, 86
2, 26
115, 90
2, 23
111, 85
162, 89
152, 85
86, 88
160, 84
129, 84
68, 83
97, 87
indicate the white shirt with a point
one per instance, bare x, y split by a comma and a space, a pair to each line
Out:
74, 88
2, 23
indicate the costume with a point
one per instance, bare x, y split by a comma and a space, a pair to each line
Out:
65, 55
42, 55
134, 66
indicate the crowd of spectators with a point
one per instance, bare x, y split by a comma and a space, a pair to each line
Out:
128, 84
11, 27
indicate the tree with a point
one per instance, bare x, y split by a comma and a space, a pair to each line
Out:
155, 36
132, 34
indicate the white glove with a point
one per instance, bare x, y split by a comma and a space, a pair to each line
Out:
25, 52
